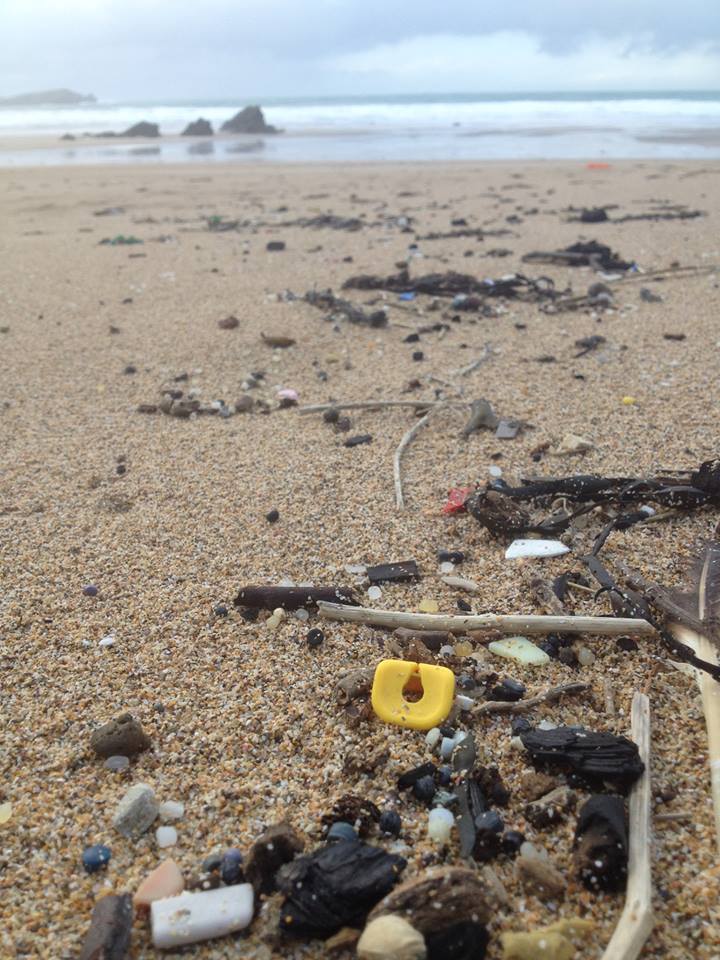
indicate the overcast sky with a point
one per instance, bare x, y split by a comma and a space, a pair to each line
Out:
174, 49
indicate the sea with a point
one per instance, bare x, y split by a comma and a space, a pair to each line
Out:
366, 129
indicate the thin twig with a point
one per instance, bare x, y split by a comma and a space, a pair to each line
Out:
525, 706
464, 371
609, 697
636, 920
378, 404
397, 459
670, 817
488, 622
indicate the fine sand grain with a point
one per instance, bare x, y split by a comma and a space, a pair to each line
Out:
245, 724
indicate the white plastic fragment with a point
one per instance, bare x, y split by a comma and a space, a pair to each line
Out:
535, 548
374, 592
432, 737
171, 810
192, 917
107, 641
440, 824
519, 649
463, 702
447, 567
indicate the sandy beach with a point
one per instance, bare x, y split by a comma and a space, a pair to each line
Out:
167, 516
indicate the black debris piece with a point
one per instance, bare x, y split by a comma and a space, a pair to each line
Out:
593, 215
357, 811
400, 572
275, 847
411, 777
601, 843
588, 344
292, 598
648, 296
470, 805
452, 284
110, 929
582, 254
275, 246
504, 518
338, 307
334, 887
450, 556
677, 337
595, 757
463, 941
358, 440
476, 232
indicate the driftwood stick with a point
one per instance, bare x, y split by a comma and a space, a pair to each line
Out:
525, 706
488, 622
377, 405
478, 362
397, 459
636, 920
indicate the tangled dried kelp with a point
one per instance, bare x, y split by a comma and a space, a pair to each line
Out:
340, 308
452, 284
590, 254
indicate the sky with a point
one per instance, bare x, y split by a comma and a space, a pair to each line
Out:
176, 49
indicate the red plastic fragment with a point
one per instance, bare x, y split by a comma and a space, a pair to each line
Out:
456, 499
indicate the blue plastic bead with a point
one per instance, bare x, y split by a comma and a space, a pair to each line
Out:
96, 857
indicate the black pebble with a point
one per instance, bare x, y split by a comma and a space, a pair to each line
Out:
410, 777
272, 517
120, 469
509, 690
412, 338
424, 788
466, 940
130, 368
220, 610
627, 644
568, 656
450, 556
231, 870
357, 440
275, 245
331, 416
250, 614
520, 725
315, 637
418, 355
343, 424
390, 823
490, 821
512, 841
444, 776
464, 606
212, 863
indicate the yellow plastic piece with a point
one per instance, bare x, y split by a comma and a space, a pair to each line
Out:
395, 677
629, 401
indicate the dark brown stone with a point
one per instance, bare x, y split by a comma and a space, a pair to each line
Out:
441, 899
123, 737
277, 846
108, 937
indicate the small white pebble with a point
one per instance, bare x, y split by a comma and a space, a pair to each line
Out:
464, 702
171, 810
302, 614
432, 737
440, 824
374, 592
166, 837
547, 725
495, 471
107, 641
117, 764
447, 567
586, 658
355, 569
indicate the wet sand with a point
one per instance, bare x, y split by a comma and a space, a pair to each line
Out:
245, 723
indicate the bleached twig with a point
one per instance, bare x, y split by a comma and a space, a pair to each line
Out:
397, 459
636, 920
488, 622
525, 706
464, 371
377, 405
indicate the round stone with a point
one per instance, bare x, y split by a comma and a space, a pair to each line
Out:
171, 810
166, 837
512, 841
231, 870
341, 831
424, 788
273, 516
374, 593
315, 637
212, 863
490, 821
520, 725
332, 415
117, 764
220, 610
90, 590
444, 776
440, 824
96, 857
390, 823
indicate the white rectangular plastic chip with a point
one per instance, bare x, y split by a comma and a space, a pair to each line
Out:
535, 548
191, 917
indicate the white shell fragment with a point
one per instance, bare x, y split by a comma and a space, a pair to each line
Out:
535, 548
171, 810
192, 917
391, 938
166, 837
519, 649
460, 583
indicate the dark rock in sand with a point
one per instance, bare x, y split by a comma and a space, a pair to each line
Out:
248, 120
142, 129
198, 128
276, 847
110, 926
122, 737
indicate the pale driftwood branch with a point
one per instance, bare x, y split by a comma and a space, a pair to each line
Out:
488, 622
464, 371
397, 459
636, 920
379, 405
525, 706
710, 693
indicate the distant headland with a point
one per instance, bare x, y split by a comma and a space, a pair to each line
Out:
47, 98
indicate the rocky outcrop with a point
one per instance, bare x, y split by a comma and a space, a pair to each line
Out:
43, 98
198, 128
248, 120
142, 129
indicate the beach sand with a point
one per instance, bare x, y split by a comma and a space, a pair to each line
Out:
245, 723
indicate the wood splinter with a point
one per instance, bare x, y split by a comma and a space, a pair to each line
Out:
525, 706
636, 920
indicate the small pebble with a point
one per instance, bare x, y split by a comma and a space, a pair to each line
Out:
90, 590
315, 637
447, 567
374, 593
301, 614
495, 471
585, 657
519, 649
432, 737
96, 857
531, 852
107, 641
512, 841
220, 610
428, 606
171, 810
424, 788
390, 823
491, 821
5, 812
440, 824
451, 556
117, 764
463, 648
464, 703
520, 725
391, 937
464, 606
547, 725
332, 415
509, 691
166, 837
444, 776
341, 831
231, 870
273, 516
